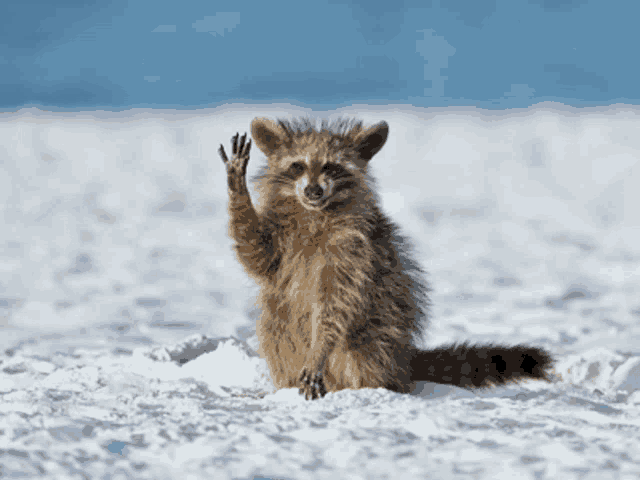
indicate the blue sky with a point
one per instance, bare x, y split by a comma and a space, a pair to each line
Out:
69, 54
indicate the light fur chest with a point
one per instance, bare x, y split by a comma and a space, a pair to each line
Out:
302, 281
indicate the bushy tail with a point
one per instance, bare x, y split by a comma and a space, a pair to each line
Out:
480, 365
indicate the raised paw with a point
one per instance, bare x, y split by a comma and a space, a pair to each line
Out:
311, 384
237, 166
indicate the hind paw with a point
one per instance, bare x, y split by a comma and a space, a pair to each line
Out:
312, 384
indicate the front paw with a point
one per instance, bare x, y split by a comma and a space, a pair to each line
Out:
237, 166
311, 384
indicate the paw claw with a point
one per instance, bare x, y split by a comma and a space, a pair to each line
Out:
223, 154
312, 385
234, 148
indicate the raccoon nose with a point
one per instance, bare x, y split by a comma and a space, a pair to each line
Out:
313, 192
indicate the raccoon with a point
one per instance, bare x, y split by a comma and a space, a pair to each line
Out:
342, 300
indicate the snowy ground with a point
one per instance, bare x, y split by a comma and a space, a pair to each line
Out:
117, 283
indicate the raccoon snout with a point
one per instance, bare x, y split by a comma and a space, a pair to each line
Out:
313, 192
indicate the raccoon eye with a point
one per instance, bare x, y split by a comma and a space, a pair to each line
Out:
333, 169
296, 169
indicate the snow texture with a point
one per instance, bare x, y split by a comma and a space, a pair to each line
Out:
127, 327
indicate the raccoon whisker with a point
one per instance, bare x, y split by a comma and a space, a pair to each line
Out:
277, 180
343, 176
349, 184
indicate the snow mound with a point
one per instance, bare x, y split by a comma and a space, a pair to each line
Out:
604, 372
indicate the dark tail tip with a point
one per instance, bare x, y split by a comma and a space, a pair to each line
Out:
481, 365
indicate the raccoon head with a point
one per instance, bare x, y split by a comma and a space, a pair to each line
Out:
320, 168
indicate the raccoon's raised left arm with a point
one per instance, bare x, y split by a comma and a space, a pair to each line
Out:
251, 233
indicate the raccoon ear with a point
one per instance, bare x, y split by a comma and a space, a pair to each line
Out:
372, 140
267, 135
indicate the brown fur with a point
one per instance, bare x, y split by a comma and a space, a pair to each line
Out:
342, 301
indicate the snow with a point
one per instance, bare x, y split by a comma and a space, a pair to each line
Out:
127, 328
